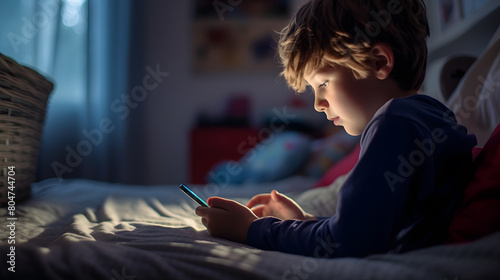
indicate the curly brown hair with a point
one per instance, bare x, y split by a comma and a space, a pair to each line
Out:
342, 32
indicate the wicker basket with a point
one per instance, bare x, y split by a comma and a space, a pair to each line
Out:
23, 99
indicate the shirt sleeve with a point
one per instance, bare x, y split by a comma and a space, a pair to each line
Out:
370, 203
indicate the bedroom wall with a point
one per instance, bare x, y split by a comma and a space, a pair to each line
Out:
468, 30
169, 112
161, 130
470, 26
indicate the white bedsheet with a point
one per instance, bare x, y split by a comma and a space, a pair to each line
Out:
81, 229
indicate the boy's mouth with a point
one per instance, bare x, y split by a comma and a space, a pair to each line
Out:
335, 120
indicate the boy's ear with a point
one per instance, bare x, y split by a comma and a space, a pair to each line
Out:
384, 60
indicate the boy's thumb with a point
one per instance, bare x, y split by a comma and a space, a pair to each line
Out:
219, 202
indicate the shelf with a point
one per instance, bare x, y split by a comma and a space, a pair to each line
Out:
468, 33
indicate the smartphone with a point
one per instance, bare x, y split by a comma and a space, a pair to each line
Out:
192, 195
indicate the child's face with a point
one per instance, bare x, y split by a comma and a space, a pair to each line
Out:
346, 101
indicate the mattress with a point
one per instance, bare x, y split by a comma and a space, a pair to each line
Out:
83, 229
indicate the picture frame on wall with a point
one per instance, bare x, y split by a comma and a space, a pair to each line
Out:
237, 36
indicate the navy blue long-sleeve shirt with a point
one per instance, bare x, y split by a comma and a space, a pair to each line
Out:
413, 165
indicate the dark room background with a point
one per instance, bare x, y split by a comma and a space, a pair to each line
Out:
135, 79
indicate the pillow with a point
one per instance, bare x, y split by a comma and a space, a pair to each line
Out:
321, 202
279, 156
342, 167
476, 100
479, 212
327, 151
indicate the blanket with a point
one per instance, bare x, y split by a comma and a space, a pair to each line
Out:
82, 229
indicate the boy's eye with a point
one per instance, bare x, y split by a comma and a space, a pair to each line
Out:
324, 85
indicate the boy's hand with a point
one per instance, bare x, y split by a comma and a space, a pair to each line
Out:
279, 206
226, 219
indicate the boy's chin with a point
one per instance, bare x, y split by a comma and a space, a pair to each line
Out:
352, 131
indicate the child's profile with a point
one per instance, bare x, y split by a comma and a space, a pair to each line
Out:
364, 60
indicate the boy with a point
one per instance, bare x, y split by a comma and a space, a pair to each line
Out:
365, 61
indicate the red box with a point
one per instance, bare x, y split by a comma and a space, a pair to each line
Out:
212, 145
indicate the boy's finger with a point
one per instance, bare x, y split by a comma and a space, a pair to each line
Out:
201, 211
258, 210
259, 199
282, 198
222, 203
275, 195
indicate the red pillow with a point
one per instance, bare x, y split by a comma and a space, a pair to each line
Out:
340, 168
479, 213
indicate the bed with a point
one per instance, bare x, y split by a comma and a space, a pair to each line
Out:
82, 229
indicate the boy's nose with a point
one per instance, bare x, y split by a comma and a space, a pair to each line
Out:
320, 104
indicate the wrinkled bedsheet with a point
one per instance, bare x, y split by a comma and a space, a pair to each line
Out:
82, 229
